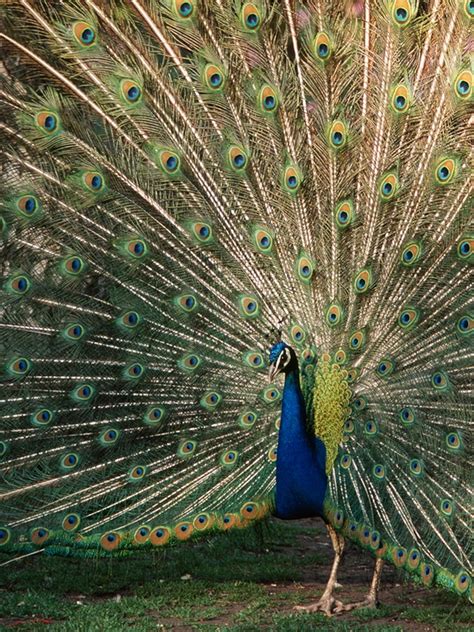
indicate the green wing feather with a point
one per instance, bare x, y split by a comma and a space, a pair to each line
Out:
182, 177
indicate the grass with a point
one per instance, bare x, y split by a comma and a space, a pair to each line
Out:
242, 581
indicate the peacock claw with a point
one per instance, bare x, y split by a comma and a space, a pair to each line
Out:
327, 605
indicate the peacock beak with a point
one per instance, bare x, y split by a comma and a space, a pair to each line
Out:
273, 372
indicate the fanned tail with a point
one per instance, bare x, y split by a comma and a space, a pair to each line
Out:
183, 178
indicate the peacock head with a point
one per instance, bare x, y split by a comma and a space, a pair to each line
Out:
282, 360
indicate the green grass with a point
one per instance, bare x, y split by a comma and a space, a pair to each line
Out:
243, 581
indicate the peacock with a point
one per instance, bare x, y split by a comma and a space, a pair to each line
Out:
236, 257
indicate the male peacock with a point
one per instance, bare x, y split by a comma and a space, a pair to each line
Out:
182, 177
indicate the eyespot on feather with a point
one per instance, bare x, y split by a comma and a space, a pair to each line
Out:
402, 12
388, 187
272, 454
447, 507
136, 248
186, 448
249, 306
48, 122
407, 416
465, 249
19, 366
203, 232
84, 34
371, 428
73, 265
237, 159
363, 281
214, 78
94, 181
169, 161
416, 468
247, 419
297, 334
469, 8
454, 441
18, 284
110, 541
413, 559
400, 99
345, 461
385, 367
292, 179
133, 371
338, 135
28, 206
73, 332
131, 91
42, 417
183, 530
263, 240
359, 403
344, 214
187, 302
357, 340
254, 359
130, 320
69, 461
268, 100
184, 9
141, 534
160, 536
39, 535
251, 17
190, 362
427, 574
322, 47
203, 521
137, 473
305, 268
440, 381
83, 393
445, 171
229, 458
270, 394
71, 522
154, 416
411, 254
211, 400
409, 317
463, 85
109, 437
5, 535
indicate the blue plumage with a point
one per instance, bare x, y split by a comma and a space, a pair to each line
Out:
301, 479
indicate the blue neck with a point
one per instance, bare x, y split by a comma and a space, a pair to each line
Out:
300, 473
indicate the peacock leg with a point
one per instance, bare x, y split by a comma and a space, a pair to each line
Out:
328, 604
371, 600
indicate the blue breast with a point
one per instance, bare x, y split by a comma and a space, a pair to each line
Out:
301, 479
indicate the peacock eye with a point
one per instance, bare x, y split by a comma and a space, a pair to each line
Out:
84, 34
47, 121
185, 9
268, 99
214, 78
131, 91
322, 47
445, 171
93, 181
27, 205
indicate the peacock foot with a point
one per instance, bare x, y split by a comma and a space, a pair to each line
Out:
327, 604
368, 602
